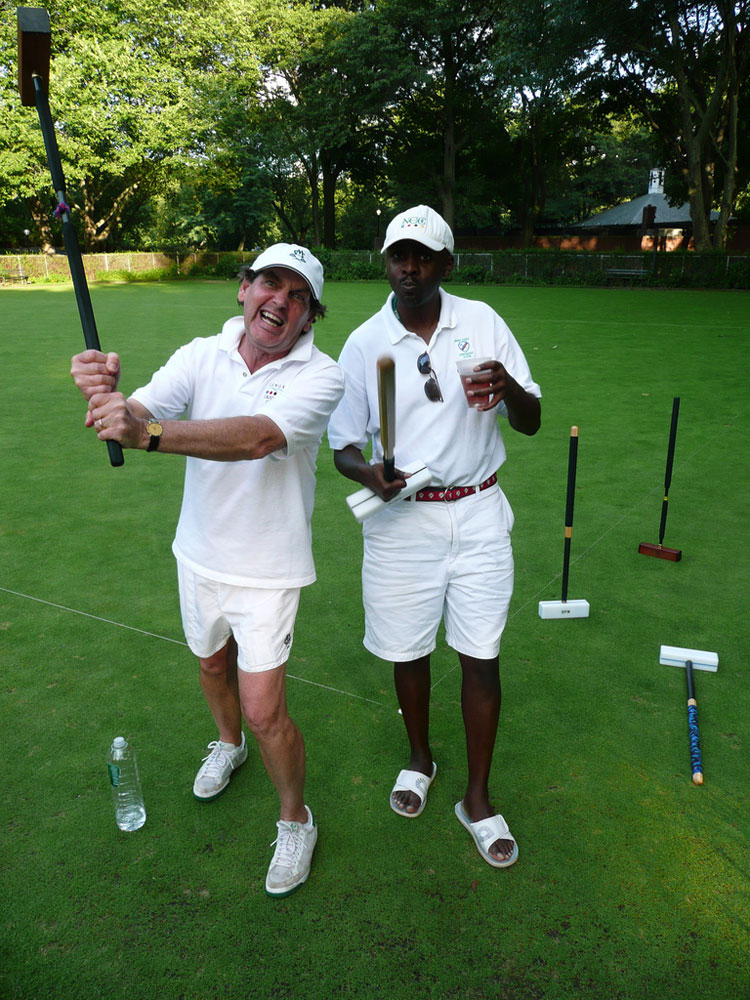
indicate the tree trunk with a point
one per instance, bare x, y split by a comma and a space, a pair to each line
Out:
41, 216
448, 180
330, 177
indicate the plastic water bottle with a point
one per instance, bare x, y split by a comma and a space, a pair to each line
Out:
130, 812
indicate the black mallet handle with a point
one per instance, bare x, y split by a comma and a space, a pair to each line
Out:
668, 473
70, 238
572, 461
33, 71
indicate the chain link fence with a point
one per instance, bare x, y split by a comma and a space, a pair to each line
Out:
544, 267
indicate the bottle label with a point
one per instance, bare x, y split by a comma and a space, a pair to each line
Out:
114, 775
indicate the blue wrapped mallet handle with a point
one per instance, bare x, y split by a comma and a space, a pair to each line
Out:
696, 762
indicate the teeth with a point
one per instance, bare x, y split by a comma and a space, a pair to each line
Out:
270, 318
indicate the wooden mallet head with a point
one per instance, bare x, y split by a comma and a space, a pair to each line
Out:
34, 38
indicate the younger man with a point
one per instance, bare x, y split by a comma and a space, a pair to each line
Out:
444, 553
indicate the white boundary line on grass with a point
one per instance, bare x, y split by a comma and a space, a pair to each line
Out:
177, 642
359, 697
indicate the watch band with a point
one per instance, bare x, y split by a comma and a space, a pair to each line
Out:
155, 431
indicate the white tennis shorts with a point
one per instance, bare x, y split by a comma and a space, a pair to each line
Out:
427, 562
261, 621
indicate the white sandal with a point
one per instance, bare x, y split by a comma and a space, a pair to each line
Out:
485, 832
416, 782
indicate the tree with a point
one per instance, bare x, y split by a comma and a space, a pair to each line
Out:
329, 75
683, 66
123, 86
541, 69
443, 108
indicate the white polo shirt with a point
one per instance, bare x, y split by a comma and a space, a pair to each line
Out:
248, 523
461, 446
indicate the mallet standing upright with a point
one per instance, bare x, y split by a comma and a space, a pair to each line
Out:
690, 659
565, 608
34, 36
646, 548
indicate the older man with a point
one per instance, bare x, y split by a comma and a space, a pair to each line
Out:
248, 407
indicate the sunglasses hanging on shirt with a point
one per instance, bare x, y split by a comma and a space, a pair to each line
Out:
431, 386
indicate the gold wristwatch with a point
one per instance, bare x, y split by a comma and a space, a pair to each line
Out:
156, 430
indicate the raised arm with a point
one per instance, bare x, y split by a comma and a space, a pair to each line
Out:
229, 439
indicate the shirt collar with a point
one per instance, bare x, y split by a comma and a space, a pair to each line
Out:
397, 331
234, 328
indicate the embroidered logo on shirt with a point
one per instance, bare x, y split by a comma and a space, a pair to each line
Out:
273, 390
464, 347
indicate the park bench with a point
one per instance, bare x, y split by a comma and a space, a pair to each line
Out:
627, 272
23, 278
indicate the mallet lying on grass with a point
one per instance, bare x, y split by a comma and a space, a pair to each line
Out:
34, 37
646, 548
565, 608
691, 659
364, 503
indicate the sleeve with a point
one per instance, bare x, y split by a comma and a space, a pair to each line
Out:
351, 418
167, 396
303, 411
511, 356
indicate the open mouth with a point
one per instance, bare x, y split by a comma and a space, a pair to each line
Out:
270, 318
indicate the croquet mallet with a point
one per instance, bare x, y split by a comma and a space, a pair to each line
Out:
565, 608
364, 503
34, 38
647, 548
691, 659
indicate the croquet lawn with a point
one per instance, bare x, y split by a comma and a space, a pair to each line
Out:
631, 882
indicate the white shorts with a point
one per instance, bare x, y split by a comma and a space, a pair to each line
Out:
427, 562
261, 621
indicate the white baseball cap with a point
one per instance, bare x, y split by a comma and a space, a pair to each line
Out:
296, 258
421, 224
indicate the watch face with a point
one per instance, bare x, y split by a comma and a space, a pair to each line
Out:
154, 427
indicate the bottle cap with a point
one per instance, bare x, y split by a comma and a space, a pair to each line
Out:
120, 742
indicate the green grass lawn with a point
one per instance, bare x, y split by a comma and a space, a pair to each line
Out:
632, 883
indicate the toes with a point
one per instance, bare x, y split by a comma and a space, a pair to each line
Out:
501, 850
405, 801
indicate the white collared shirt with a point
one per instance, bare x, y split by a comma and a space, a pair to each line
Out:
461, 446
248, 523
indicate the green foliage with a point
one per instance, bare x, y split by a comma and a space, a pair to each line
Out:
223, 126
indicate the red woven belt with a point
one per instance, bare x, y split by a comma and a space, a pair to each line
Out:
448, 493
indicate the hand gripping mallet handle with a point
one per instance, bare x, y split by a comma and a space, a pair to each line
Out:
572, 462
692, 710
387, 403
33, 73
670, 461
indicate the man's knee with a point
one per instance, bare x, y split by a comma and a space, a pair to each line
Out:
263, 702
485, 673
216, 664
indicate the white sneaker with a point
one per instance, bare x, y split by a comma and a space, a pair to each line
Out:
217, 768
292, 858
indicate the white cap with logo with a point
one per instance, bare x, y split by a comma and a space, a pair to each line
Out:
421, 224
297, 259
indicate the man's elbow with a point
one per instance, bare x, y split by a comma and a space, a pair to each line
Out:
529, 421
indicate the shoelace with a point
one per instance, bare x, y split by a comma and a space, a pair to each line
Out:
288, 846
216, 760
